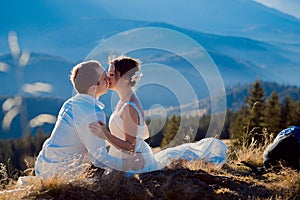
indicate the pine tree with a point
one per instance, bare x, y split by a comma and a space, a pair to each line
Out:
256, 106
287, 112
238, 125
38, 141
230, 116
250, 116
27, 145
203, 127
11, 154
272, 113
296, 120
2, 151
170, 131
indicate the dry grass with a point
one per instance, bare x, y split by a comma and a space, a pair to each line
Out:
181, 179
248, 149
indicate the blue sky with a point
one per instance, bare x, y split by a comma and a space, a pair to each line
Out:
291, 7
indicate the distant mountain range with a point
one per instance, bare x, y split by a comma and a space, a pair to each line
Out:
239, 60
235, 97
66, 28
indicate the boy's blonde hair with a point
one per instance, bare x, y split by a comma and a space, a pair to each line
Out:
84, 75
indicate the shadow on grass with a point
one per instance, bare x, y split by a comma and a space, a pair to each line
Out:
170, 183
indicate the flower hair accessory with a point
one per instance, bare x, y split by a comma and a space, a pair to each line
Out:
137, 76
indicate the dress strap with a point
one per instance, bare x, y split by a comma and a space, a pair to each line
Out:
136, 108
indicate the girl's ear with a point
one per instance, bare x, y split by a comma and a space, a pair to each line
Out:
125, 80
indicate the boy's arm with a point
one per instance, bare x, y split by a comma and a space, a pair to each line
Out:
95, 146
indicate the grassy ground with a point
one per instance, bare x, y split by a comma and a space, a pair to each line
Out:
180, 180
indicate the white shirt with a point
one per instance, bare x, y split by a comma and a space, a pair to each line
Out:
71, 145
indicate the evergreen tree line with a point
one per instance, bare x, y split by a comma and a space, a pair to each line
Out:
21, 152
193, 129
258, 113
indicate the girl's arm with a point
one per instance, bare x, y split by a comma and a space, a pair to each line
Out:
130, 121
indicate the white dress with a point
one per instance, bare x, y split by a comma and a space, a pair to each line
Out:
210, 149
116, 128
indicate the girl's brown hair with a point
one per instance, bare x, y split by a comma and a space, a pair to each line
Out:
126, 66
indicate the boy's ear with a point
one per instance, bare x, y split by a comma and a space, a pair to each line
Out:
92, 88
